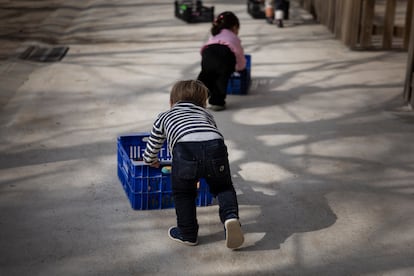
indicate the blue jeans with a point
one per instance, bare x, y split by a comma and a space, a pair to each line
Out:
192, 161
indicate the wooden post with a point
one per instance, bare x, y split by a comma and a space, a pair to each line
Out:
367, 18
307, 5
331, 12
408, 19
389, 24
318, 11
339, 18
351, 22
408, 90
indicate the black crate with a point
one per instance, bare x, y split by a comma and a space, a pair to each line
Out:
256, 8
193, 11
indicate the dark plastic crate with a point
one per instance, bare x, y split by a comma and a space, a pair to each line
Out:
239, 82
147, 187
256, 8
193, 11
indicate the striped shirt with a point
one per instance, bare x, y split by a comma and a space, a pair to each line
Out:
182, 119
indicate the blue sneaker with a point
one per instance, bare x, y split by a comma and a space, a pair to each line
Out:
234, 234
175, 234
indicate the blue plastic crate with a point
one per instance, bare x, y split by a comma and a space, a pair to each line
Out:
163, 199
145, 200
239, 82
147, 187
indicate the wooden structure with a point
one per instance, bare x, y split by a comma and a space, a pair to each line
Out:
369, 25
365, 24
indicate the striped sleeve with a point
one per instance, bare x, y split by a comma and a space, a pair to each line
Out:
155, 141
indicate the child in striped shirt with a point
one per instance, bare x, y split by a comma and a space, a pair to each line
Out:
198, 151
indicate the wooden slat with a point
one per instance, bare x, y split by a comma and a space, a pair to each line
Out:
408, 90
412, 79
339, 18
319, 11
307, 4
331, 16
408, 19
345, 25
389, 24
321, 7
351, 22
368, 11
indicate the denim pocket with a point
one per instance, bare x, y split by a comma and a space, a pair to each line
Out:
219, 167
185, 169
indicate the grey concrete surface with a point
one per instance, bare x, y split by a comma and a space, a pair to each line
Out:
321, 151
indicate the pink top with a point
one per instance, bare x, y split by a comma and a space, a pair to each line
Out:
230, 39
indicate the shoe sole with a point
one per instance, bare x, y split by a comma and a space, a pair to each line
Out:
181, 241
234, 234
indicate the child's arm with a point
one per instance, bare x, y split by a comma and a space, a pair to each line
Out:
154, 144
152, 149
156, 164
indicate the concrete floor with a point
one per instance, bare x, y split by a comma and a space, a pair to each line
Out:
321, 154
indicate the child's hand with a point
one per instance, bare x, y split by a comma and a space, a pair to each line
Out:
156, 164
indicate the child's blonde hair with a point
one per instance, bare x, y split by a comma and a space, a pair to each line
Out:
193, 91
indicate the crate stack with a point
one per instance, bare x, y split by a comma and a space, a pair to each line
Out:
256, 8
